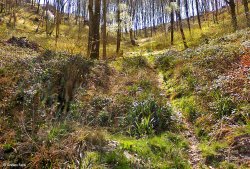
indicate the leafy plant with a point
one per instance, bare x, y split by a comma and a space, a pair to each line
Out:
189, 107
145, 126
224, 106
103, 118
147, 117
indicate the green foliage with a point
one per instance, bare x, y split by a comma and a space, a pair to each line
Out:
224, 106
189, 107
8, 147
2, 71
147, 117
57, 132
137, 62
201, 132
165, 62
215, 59
228, 165
166, 150
144, 127
53, 80
90, 160
211, 152
145, 84
104, 118
116, 159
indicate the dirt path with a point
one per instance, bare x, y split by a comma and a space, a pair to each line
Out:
194, 154
195, 157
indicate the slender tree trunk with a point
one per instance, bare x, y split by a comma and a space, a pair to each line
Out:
118, 42
187, 15
193, 10
172, 26
245, 3
104, 29
233, 13
132, 15
216, 11
154, 28
58, 16
237, 6
198, 13
94, 26
163, 16
38, 6
181, 28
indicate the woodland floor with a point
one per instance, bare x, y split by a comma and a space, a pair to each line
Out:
59, 109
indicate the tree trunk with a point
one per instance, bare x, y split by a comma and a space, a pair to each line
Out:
193, 10
187, 15
91, 17
172, 26
94, 34
38, 7
164, 24
118, 42
216, 11
245, 3
154, 28
104, 29
233, 13
198, 13
181, 28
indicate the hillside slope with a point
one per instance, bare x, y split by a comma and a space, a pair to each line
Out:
169, 108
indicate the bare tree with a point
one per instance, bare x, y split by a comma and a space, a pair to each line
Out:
198, 12
232, 6
181, 27
118, 42
94, 26
246, 8
104, 37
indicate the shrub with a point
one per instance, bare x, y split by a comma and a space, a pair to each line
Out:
164, 62
148, 117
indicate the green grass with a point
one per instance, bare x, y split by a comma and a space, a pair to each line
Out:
162, 151
211, 152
